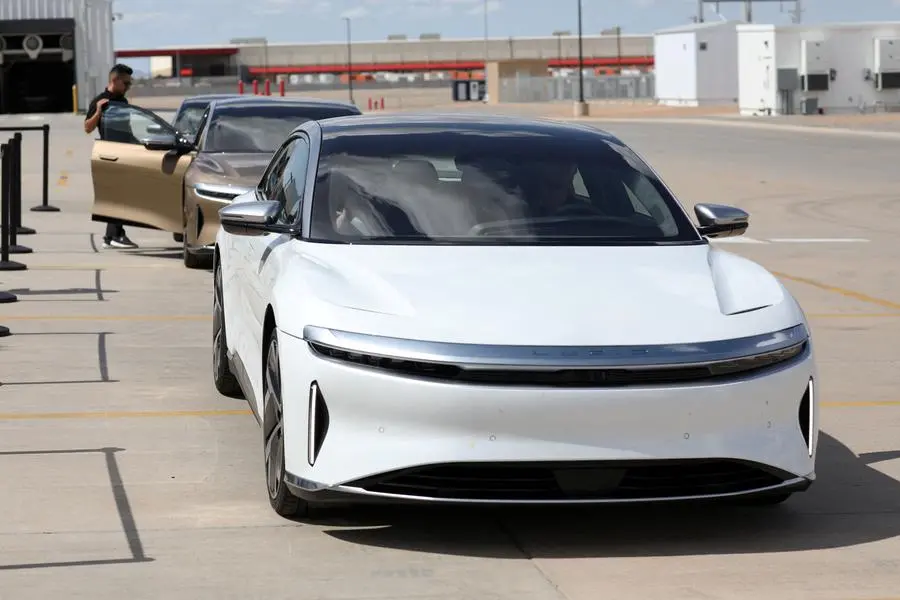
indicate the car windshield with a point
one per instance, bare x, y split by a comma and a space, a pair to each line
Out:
505, 187
188, 120
261, 128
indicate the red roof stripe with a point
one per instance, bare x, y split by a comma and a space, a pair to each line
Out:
629, 61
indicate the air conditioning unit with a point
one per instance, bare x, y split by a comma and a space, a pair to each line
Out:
815, 71
886, 70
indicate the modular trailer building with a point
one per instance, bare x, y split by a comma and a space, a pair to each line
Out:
835, 68
696, 65
47, 46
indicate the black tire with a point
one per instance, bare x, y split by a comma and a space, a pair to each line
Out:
282, 500
192, 260
225, 381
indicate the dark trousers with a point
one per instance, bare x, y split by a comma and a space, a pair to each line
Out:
114, 229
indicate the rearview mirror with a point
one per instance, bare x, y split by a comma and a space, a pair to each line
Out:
718, 221
249, 218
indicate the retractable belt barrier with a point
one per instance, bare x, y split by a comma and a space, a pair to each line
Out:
44, 206
11, 209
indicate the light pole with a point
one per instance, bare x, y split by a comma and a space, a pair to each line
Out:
580, 108
486, 51
349, 62
559, 36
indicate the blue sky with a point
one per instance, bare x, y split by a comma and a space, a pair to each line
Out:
150, 23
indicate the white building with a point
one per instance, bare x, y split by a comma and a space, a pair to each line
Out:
807, 69
696, 64
57, 44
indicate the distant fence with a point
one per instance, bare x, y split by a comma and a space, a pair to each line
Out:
604, 87
229, 85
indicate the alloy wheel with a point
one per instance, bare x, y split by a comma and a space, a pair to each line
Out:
273, 422
218, 322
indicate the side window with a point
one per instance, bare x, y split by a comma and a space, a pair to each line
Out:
647, 201
578, 185
191, 121
272, 188
294, 180
129, 125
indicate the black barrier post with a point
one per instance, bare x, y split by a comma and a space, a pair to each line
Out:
44, 206
15, 195
18, 229
5, 263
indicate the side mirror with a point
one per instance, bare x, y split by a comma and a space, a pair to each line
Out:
167, 141
155, 129
160, 141
719, 221
249, 218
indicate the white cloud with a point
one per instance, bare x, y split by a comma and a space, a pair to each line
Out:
356, 12
492, 6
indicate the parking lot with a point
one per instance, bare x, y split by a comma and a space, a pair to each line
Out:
126, 473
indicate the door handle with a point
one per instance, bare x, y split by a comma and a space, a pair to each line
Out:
109, 158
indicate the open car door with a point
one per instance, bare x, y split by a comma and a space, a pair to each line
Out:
138, 169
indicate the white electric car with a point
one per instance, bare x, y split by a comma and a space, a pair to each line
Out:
471, 309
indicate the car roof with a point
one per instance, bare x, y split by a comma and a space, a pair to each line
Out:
206, 98
483, 123
279, 100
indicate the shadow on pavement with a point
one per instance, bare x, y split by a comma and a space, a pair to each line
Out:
123, 507
851, 503
167, 252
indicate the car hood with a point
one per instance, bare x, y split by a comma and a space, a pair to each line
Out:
243, 169
536, 295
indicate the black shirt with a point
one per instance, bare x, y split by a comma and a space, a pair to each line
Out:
92, 108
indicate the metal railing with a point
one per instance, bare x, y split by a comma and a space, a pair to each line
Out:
603, 87
229, 85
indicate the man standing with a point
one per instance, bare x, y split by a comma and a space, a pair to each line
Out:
119, 83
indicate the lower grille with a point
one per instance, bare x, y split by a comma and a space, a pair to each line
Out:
621, 480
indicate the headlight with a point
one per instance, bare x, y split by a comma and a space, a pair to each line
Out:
610, 366
220, 193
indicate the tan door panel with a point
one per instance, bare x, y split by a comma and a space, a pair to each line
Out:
141, 186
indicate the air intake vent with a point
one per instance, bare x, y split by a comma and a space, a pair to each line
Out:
805, 415
620, 480
318, 422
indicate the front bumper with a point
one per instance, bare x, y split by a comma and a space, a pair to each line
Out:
383, 436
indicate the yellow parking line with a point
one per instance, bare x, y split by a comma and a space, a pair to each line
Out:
107, 318
853, 315
861, 403
842, 291
122, 414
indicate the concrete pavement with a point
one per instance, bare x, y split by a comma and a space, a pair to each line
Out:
126, 474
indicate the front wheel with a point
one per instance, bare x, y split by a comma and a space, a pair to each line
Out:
225, 381
281, 498
191, 260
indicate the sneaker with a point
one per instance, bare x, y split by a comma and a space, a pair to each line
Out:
120, 242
